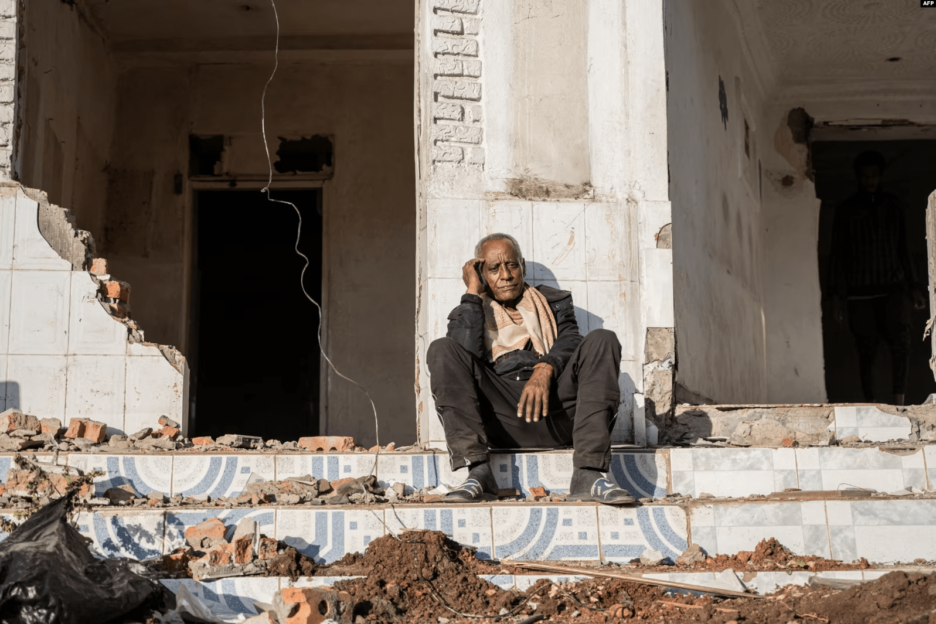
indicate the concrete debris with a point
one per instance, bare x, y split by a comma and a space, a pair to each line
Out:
168, 422
803, 425
208, 554
691, 556
651, 558
87, 429
15, 420
240, 441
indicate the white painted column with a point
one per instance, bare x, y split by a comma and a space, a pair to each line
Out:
546, 121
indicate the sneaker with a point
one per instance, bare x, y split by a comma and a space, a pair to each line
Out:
478, 487
599, 490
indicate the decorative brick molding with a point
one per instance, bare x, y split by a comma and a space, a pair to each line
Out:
457, 135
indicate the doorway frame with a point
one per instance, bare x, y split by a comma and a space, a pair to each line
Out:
872, 130
190, 188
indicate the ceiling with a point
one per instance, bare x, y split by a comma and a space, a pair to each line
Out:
217, 24
818, 40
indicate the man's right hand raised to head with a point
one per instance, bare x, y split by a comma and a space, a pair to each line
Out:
471, 274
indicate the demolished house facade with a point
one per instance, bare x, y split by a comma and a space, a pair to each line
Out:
675, 166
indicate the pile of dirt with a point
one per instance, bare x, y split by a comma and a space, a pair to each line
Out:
422, 576
290, 562
770, 554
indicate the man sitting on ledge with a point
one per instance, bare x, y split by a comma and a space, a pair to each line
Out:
514, 372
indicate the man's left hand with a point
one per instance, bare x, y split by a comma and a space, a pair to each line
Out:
534, 402
919, 299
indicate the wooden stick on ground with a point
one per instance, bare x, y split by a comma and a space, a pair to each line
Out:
628, 577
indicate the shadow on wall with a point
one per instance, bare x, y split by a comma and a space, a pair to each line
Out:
9, 395
547, 277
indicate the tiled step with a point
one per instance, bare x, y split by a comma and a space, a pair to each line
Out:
884, 531
519, 531
720, 472
238, 595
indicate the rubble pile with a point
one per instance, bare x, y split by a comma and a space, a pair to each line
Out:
209, 554
422, 576
31, 484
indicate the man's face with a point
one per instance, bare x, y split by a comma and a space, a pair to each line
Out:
503, 270
869, 177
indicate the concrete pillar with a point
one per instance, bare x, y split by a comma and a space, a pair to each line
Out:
546, 121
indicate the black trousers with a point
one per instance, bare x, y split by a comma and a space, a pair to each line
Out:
478, 407
888, 318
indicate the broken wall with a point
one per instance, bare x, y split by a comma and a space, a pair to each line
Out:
368, 214
67, 100
62, 355
716, 136
546, 121
794, 315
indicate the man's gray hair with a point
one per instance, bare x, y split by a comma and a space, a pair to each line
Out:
497, 237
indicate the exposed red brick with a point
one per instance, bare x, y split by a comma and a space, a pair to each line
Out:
257, 498
327, 443
118, 309
337, 484
52, 426
538, 491
99, 266
13, 419
210, 529
786, 442
267, 548
170, 432
310, 601
76, 428
220, 556
203, 441
176, 562
243, 549
115, 290
433, 498
95, 431
153, 502
168, 422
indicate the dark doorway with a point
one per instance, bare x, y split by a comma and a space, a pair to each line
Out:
256, 368
909, 175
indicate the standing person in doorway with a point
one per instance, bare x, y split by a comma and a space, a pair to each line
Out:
872, 275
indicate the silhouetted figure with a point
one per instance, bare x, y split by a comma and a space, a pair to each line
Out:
871, 270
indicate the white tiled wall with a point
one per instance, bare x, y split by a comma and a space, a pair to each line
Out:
61, 353
586, 248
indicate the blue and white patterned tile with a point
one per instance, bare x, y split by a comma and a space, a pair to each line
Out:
6, 462
522, 471
470, 526
178, 521
136, 534
626, 532
323, 466
837, 468
546, 533
218, 475
414, 471
870, 424
328, 535
737, 472
880, 530
801, 527
146, 473
229, 597
641, 474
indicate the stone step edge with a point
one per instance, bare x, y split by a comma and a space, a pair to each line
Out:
759, 581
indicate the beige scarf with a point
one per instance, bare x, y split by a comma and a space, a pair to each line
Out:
502, 335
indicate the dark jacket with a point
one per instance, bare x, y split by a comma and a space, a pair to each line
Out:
466, 325
870, 254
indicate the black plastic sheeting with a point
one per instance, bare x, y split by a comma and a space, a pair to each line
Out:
48, 575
